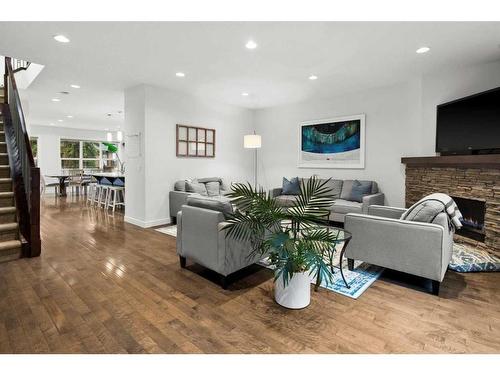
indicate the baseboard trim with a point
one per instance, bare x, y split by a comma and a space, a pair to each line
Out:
147, 224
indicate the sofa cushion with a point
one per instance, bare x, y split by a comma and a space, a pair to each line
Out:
286, 200
336, 186
219, 204
290, 187
424, 212
347, 188
209, 179
196, 187
359, 190
342, 206
213, 188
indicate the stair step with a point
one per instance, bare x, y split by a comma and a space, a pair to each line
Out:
7, 210
8, 227
10, 250
4, 171
6, 198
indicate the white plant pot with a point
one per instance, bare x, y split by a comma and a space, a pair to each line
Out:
296, 294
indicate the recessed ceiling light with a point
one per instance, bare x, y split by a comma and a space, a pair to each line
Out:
312, 78
180, 74
75, 86
61, 38
69, 116
244, 94
60, 120
56, 99
251, 44
423, 50
51, 123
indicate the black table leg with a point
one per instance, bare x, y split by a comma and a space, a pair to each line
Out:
342, 257
62, 187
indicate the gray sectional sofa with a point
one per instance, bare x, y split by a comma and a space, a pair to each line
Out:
207, 187
343, 204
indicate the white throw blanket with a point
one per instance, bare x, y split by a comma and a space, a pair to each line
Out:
449, 206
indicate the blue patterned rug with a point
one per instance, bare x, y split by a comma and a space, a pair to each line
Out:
467, 258
359, 279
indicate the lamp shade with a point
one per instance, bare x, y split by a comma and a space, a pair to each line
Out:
252, 141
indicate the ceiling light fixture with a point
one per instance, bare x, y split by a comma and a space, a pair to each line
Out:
109, 137
180, 74
60, 120
119, 136
423, 50
251, 44
244, 94
61, 38
69, 116
75, 86
56, 99
313, 77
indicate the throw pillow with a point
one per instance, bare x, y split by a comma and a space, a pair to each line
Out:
291, 187
359, 190
213, 188
423, 212
196, 187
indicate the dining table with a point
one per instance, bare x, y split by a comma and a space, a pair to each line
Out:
62, 177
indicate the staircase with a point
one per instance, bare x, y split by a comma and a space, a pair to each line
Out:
10, 244
19, 177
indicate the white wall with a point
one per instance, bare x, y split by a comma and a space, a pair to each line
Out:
49, 137
391, 127
400, 121
156, 114
442, 87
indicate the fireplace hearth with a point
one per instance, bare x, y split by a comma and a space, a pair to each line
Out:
473, 211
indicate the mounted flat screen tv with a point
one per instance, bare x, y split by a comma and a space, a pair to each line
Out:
469, 125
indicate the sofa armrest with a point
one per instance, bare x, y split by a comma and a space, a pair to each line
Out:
368, 200
178, 240
275, 192
386, 211
407, 246
176, 199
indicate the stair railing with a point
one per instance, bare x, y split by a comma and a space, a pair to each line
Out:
25, 175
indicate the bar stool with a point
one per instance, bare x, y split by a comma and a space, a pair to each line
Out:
104, 196
116, 197
96, 195
92, 189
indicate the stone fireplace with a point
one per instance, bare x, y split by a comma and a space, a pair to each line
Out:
473, 181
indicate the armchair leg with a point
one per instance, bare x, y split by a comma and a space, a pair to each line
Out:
182, 261
224, 282
350, 264
435, 287
173, 220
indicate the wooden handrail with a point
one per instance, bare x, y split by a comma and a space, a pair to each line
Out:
25, 174
10, 73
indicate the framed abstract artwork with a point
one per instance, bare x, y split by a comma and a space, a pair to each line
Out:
195, 142
332, 143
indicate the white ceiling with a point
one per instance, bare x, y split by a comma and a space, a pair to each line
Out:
107, 57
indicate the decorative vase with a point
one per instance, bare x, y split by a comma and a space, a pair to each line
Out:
296, 294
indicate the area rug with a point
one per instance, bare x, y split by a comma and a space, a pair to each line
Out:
467, 258
170, 230
359, 279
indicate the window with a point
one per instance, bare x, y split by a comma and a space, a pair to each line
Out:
34, 148
78, 154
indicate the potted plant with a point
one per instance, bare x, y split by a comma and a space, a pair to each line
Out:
297, 239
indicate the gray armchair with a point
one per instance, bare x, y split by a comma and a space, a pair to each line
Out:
381, 238
201, 238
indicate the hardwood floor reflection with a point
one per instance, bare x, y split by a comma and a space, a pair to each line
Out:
105, 286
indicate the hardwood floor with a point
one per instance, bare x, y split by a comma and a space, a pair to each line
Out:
105, 286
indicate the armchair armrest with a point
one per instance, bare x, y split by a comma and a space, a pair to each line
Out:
386, 211
371, 199
276, 192
176, 200
407, 246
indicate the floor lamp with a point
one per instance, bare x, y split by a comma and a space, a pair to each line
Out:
253, 141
